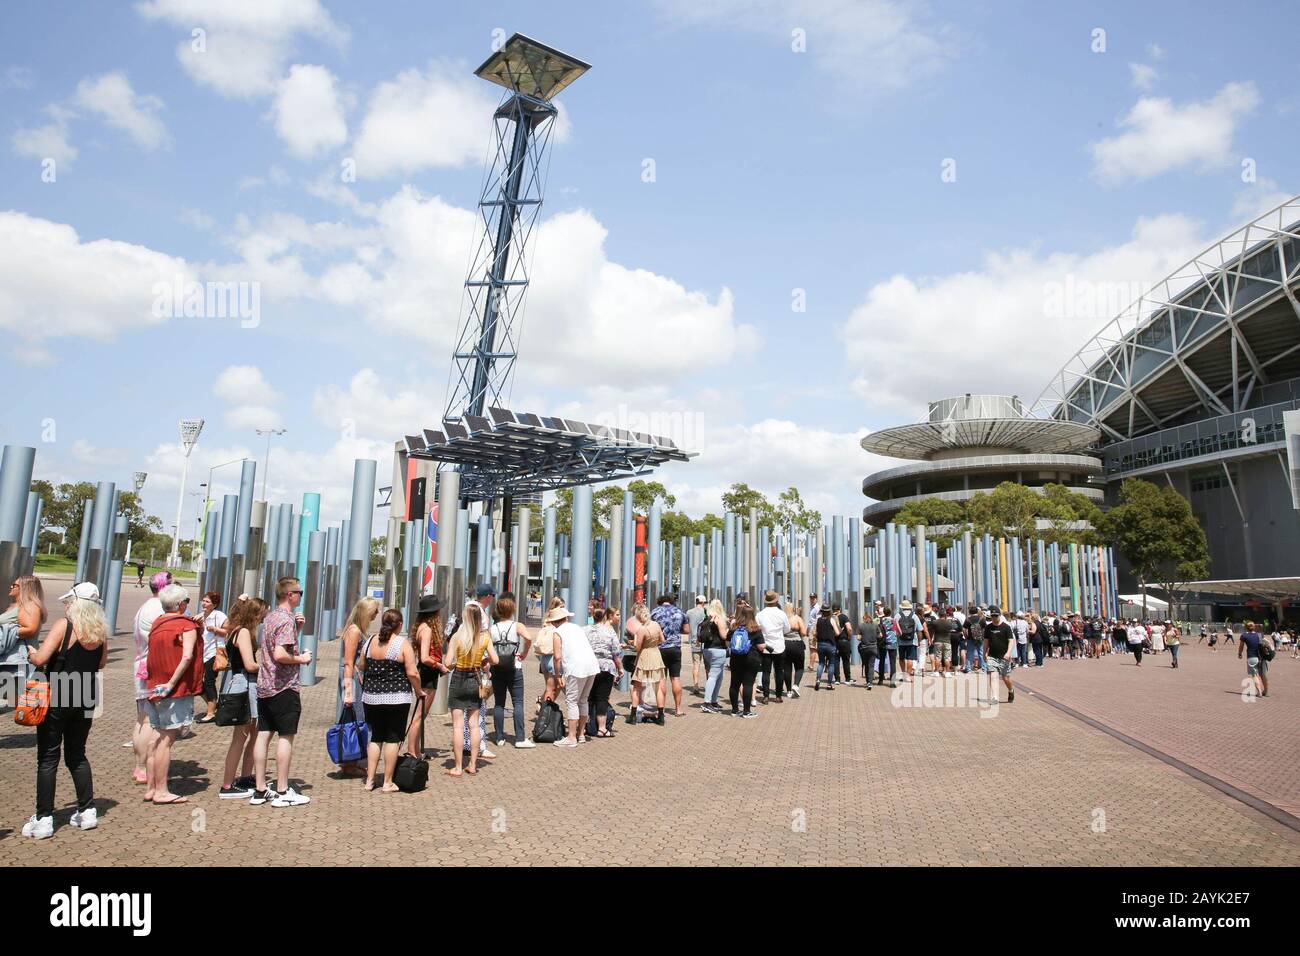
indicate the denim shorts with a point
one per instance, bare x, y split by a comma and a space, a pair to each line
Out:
907, 652
1256, 667
546, 664
170, 713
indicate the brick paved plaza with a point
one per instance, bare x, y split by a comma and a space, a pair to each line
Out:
834, 778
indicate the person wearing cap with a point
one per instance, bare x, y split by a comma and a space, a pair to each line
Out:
74, 652
428, 644
143, 739
694, 618
773, 621
999, 644
910, 630
578, 667
174, 673
814, 611
974, 629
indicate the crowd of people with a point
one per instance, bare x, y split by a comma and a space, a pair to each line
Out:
244, 666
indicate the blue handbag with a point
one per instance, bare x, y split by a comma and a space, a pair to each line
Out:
347, 740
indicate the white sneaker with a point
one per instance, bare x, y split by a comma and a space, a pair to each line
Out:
86, 819
565, 742
290, 798
794, 692
484, 752
524, 744
39, 828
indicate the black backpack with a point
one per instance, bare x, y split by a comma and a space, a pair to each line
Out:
506, 651
907, 627
1266, 651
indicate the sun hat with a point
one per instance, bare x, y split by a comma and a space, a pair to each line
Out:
560, 613
905, 606
430, 604
85, 590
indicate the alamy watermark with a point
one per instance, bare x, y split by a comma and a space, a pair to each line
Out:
683, 429
182, 299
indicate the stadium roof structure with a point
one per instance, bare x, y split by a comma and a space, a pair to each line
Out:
1198, 343
519, 453
1265, 589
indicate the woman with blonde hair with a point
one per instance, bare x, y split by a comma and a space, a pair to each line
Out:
75, 649
429, 641
545, 647
468, 650
25, 617
713, 638
650, 668
241, 678
362, 616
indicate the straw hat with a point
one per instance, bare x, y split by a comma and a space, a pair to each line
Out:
558, 614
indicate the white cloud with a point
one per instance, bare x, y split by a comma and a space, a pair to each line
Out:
366, 408
111, 97
308, 112
878, 45
1007, 326
408, 270
54, 284
244, 385
416, 121
1155, 51
17, 78
250, 397
245, 43
88, 454
1143, 75
47, 142
1161, 135
1257, 199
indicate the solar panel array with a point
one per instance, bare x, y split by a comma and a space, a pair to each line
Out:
519, 453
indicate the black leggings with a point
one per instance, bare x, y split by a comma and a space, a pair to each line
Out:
868, 654
795, 652
742, 678
598, 704
887, 656
844, 648
778, 663
1137, 653
68, 728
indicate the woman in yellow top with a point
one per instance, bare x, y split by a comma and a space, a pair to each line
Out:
467, 653
650, 667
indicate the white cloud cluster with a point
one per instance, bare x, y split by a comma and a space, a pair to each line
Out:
368, 408
250, 397
424, 120
1004, 328
242, 45
308, 111
51, 141
1160, 135
877, 45
111, 97
53, 284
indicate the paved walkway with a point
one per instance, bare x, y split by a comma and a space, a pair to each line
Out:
835, 778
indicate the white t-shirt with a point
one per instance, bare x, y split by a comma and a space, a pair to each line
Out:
210, 637
774, 624
579, 659
149, 612
1021, 627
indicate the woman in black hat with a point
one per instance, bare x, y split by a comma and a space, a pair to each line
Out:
429, 641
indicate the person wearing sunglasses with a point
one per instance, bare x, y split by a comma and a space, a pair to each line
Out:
278, 703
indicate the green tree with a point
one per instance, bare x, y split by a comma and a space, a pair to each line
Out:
1064, 508
791, 511
740, 498
1008, 510
644, 494
1154, 528
935, 513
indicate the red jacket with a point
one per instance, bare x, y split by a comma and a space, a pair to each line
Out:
167, 647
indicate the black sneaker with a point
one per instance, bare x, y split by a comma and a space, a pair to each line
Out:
247, 783
1011, 697
235, 792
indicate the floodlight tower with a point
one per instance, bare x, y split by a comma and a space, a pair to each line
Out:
532, 74
190, 429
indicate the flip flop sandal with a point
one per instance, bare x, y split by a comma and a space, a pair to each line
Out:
167, 803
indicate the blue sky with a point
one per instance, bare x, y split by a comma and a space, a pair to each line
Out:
775, 171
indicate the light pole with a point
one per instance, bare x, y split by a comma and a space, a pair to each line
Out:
138, 480
266, 463
208, 498
190, 429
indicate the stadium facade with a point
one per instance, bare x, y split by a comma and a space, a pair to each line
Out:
1187, 386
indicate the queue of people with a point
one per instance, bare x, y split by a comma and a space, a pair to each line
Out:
245, 668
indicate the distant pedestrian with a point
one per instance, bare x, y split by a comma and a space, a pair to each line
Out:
827, 634
868, 645
796, 647
1259, 650
694, 618
1173, 641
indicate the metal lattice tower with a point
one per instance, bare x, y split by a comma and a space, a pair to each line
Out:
487, 341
